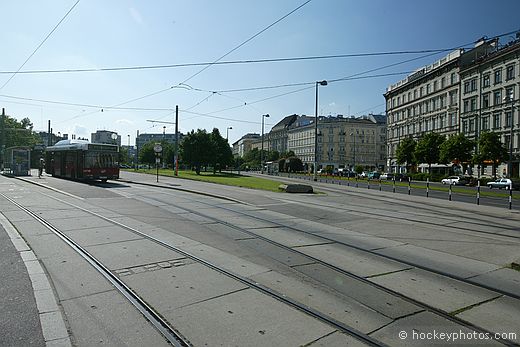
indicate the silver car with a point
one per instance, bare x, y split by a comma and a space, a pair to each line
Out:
500, 183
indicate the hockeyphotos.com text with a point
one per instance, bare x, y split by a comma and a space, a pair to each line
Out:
436, 335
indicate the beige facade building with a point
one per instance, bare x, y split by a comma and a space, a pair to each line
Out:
425, 101
343, 142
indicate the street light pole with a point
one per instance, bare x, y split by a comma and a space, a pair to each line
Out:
323, 83
353, 134
227, 132
510, 162
262, 151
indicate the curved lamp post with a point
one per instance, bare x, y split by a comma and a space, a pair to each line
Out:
262, 151
322, 83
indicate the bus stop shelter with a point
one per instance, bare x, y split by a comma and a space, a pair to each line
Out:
17, 161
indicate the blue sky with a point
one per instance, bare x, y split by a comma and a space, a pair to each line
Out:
124, 33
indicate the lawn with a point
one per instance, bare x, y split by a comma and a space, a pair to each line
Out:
225, 178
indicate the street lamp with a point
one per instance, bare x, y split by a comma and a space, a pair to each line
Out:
262, 151
323, 83
354, 151
227, 132
511, 98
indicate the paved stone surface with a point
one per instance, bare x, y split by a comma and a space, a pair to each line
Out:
288, 237
501, 315
337, 339
504, 279
437, 291
455, 265
107, 319
424, 329
101, 235
261, 321
352, 260
284, 256
341, 308
181, 286
366, 294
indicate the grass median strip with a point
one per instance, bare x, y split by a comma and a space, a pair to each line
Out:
225, 178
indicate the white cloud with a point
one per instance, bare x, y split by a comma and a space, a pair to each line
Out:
125, 121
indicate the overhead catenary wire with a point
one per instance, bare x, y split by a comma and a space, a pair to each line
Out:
41, 44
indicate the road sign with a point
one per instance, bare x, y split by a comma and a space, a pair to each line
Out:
157, 148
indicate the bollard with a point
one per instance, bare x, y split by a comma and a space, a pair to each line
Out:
449, 193
356, 182
379, 184
427, 186
478, 192
393, 179
368, 183
409, 185
511, 195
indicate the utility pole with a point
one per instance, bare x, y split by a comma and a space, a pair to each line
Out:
176, 154
2, 137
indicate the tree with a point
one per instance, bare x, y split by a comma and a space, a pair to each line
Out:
196, 149
456, 149
19, 133
491, 149
252, 158
222, 155
428, 149
293, 164
405, 152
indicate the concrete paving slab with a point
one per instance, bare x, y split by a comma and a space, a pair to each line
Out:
437, 291
339, 307
45, 301
504, 279
358, 262
31, 227
337, 339
228, 261
101, 235
363, 241
284, 256
131, 253
80, 223
65, 214
16, 215
171, 238
249, 222
174, 287
109, 319
246, 318
364, 293
427, 329
53, 326
228, 231
458, 266
288, 237
501, 315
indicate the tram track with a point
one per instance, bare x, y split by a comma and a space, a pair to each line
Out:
338, 325
429, 308
165, 328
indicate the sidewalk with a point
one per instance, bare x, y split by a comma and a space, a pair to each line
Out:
29, 312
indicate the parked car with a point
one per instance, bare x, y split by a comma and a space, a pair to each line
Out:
374, 175
387, 176
455, 180
500, 183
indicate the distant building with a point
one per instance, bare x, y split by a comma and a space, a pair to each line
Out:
143, 139
343, 142
244, 144
105, 136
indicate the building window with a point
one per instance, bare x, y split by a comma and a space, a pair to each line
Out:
415, 94
421, 91
496, 121
435, 86
486, 81
485, 100
473, 103
465, 126
508, 119
466, 87
471, 125
510, 72
434, 104
485, 123
441, 122
453, 98
497, 98
510, 91
466, 106
428, 89
453, 119
473, 84
498, 76
453, 78
443, 82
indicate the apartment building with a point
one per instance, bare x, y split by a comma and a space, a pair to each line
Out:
343, 142
490, 87
425, 101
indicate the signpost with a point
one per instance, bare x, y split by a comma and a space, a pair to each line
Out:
157, 148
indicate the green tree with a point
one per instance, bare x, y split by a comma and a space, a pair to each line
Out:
405, 153
491, 149
196, 149
293, 164
428, 149
457, 148
252, 158
222, 155
19, 133
147, 154
273, 156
